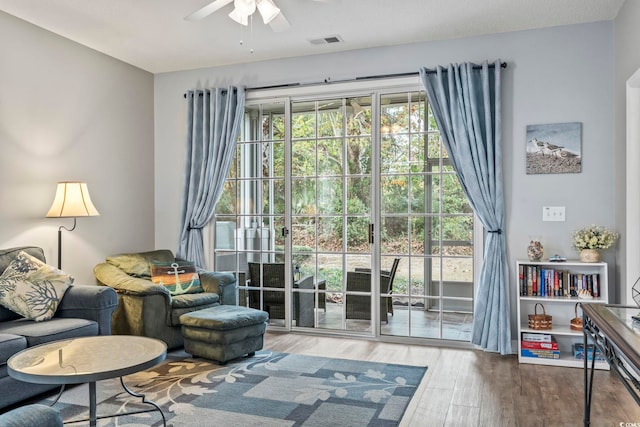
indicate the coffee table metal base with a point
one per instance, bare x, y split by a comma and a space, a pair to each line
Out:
93, 418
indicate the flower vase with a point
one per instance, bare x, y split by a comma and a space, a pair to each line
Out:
589, 255
534, 250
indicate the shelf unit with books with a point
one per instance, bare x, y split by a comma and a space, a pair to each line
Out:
556, 286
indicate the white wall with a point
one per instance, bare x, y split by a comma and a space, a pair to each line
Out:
561, 74
627, 62
70, 113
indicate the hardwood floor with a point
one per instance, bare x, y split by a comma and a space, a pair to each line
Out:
475, 388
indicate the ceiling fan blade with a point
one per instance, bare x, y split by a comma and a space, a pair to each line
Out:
207, 10
279, 23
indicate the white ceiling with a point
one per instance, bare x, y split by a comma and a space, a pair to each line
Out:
152, 34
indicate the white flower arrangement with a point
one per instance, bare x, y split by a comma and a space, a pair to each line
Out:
594, 237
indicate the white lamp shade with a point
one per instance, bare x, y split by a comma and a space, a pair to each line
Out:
239, 17
72, 200
268, 10
245, 7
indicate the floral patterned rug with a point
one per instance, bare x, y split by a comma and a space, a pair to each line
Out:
269, 389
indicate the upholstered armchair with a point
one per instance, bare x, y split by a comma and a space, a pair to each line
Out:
149, 309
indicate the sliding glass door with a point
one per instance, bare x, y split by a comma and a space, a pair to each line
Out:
343, 214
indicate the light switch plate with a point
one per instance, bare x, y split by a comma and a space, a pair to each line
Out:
553, 213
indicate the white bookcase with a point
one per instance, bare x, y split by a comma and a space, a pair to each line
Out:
562, 310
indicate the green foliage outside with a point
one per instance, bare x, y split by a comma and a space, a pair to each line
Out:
331, 161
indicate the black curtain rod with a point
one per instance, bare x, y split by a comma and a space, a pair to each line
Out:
376, 77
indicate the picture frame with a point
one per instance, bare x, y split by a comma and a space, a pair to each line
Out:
554, 148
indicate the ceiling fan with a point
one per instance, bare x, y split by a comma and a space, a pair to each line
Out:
242, 9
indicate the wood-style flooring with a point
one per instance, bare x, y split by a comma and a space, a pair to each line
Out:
475, 388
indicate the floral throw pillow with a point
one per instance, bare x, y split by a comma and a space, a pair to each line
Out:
32, 288
178, 277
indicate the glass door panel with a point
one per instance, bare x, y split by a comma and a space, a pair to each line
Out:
331, 207
251, 213
426, 223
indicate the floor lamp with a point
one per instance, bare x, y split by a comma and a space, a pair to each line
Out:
72, 200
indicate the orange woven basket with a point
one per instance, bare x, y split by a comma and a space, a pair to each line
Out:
540, 321
576, 322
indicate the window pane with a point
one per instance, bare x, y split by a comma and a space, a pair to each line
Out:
395, 235
303, 196
418, 235
394, 117
275, 152
303, 232
394, 154
227, 202
330, 195
359, 195
457, 270
303, 120
453, 199
395, 194
273, 196
418, 195
330, 269
357, 234
417, 154
303, 154
249, 131
359, 116
330, 157
418, 112
330, 118
359, 155
330, 234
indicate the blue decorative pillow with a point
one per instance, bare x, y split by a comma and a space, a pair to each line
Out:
178, 277
32, 288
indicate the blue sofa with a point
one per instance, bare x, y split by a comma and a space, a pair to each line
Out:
31, 416
83, 311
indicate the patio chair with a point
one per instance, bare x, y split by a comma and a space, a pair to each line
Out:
272, 276
359, 306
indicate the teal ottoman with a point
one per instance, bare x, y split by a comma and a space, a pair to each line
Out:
223, 332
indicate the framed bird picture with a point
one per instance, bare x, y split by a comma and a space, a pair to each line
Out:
554, 148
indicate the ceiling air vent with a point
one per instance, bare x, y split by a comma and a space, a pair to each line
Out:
327, 40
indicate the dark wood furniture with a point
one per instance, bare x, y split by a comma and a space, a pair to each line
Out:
616, 334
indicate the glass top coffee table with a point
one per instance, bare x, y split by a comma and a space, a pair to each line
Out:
87, 360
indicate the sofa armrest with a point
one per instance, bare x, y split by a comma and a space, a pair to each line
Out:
111, 276
95, 303
223, 284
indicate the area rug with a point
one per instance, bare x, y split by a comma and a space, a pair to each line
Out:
269, 389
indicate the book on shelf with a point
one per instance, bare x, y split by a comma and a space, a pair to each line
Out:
536, 280
540, 345
578, 351
540, 354
534, 337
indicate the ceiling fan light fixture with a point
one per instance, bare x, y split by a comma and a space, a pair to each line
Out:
239, 17
268, 10
244, 7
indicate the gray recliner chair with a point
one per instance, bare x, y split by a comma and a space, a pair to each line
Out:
147, 309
